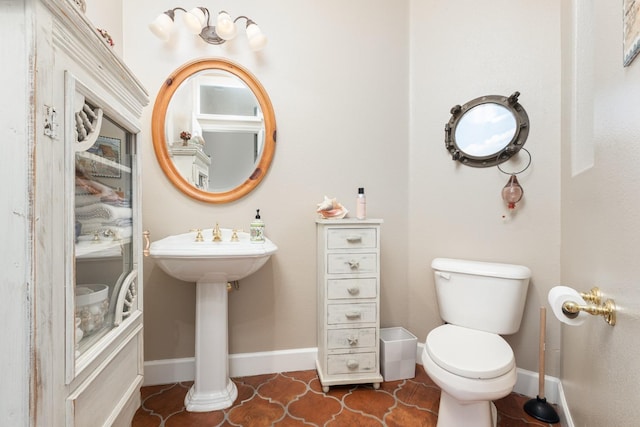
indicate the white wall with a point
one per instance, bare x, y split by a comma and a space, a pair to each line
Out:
459, 51
600, 215
340, 95
331, 143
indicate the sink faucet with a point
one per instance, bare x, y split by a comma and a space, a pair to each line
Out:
198, 234
217, 234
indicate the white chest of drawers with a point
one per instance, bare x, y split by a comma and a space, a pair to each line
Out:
348, 265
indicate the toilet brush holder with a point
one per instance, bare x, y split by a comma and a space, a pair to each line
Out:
539, 408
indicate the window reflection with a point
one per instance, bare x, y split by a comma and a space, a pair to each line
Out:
485, 129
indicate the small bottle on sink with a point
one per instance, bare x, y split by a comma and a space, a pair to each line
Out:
257, 229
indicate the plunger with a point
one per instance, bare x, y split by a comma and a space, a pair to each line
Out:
539, 408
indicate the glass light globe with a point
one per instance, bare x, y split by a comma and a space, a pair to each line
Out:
195, 20
225, 27
257, 40
161, 26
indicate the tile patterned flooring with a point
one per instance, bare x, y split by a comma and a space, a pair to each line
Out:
294, 399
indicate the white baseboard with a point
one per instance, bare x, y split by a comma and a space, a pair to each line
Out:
169, 371
565, 415
527, 384
246, 364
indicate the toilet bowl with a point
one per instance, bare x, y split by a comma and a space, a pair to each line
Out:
472, 368
466, 357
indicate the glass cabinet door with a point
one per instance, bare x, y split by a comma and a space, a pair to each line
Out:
105, 277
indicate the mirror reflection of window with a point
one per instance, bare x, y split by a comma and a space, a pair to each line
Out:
221, 109
232, 141
485, 129
235, 101
233, 158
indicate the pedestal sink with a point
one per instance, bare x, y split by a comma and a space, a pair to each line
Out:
211, 265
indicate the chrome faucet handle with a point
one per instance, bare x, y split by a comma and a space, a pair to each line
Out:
217, 234
199, 237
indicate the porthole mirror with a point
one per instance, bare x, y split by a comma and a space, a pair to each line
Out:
486, 131
213, 130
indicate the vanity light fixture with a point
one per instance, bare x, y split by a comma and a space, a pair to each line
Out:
197, 21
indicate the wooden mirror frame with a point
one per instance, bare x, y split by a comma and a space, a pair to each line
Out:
160, 146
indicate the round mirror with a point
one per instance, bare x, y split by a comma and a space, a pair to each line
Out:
213, 130
487, 131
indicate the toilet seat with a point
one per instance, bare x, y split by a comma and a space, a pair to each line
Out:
469, 353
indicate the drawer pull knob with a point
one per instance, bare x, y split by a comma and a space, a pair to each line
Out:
354, 239
354, 290
353, 315
352, 364
352, 341
353, 264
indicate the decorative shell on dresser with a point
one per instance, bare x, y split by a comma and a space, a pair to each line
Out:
331, 209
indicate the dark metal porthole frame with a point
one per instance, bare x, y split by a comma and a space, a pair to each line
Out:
505, 152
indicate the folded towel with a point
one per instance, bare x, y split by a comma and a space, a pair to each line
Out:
86, 199
103, 211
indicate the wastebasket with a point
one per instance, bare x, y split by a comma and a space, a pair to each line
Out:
397, 353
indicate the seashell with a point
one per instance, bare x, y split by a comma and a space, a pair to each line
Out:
334, 213
331, 209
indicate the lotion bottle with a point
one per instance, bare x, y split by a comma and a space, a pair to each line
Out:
361, 204
257, 229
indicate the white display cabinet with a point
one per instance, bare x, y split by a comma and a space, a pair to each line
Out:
79, 323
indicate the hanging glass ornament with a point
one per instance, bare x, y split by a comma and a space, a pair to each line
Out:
512, 192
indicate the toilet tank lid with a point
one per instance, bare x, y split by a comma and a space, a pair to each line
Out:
481, 268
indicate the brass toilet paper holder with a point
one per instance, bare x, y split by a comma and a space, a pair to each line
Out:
595, 308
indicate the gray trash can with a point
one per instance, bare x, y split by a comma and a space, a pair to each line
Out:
398, 349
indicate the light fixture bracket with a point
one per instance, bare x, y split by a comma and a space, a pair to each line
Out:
209, 35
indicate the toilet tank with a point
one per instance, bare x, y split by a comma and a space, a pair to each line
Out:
481, 295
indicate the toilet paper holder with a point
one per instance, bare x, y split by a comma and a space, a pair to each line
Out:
596, 308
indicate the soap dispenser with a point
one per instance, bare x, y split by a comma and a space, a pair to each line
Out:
257, 228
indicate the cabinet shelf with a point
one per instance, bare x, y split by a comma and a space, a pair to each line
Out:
101, 160
103, 249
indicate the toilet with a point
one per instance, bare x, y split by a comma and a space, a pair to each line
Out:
466, 357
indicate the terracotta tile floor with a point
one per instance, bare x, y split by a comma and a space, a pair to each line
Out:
296, 399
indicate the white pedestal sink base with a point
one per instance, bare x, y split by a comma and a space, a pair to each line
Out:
196, 401
212, 389
211, 265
